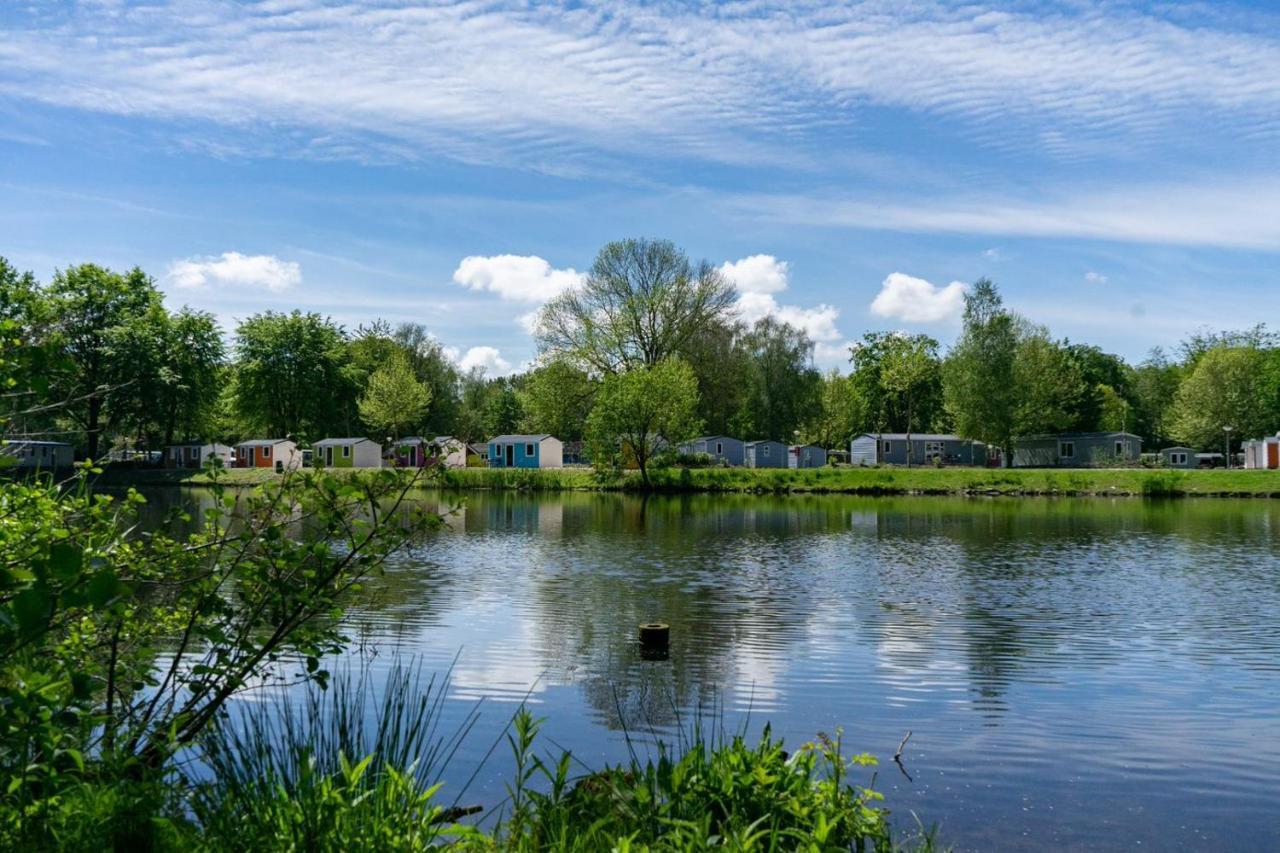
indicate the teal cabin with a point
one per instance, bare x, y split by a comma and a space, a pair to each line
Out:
526, 451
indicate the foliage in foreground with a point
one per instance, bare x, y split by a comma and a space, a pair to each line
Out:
282, 780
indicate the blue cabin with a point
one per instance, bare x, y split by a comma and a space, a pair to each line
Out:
526, 451
723, 449
765, 453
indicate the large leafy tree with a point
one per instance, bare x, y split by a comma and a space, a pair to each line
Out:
910, 370
1154, 384
642, 302
90, 307
176, 363
646, 409
978, 376
720, 361
290, 377
557, 399
782, 383
1226, 388
882, 407
432, 366
1049, 384
394, 399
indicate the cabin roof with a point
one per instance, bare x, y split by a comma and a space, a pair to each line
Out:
519, 439
336, 441
261, 442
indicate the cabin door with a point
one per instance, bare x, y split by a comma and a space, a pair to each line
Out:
328, 456
511, 455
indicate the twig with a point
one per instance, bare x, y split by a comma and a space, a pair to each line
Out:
897, 757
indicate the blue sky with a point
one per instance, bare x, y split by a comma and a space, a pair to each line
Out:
1112, 165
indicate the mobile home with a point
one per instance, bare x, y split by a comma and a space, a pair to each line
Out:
806, 456
1178, 457
36, 454
281, 454
526, 451
1076, 450
196, 455
347, 453
892, 448
765, 453
723, 449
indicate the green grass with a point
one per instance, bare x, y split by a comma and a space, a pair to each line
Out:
1150, 482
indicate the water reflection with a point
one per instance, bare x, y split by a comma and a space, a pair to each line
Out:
1076, 672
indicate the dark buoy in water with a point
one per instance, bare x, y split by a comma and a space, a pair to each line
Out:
655, 638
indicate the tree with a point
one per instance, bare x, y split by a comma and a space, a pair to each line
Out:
394, 399
721, 363
1048, 383
1155, 383
90, 306
781, 382
290, 377
1226, 388
978, 376
646, 409
557, 399
837, 416
881, 407
910, 365
642, 302
502, 412
432, 366
175, 362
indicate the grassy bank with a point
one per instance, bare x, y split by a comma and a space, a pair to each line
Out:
864, 481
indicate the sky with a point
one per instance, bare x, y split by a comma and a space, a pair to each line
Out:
851, 166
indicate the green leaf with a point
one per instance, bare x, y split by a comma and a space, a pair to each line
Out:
66, 561
104, 587
31, 608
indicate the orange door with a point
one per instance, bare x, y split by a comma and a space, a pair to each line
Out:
1273, 454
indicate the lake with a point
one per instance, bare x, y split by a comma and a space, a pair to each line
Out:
1075, 673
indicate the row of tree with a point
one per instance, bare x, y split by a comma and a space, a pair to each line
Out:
649, 346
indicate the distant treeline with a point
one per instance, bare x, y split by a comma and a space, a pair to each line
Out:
649, 347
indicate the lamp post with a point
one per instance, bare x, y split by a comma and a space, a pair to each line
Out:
1226, 432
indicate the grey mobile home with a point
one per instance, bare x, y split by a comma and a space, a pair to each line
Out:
722, 449
890, 448
765, 454
1178, 457
806, 456
1076, 450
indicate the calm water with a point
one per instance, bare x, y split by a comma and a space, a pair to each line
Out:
1076, 673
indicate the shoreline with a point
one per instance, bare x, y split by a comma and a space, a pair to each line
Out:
972, 482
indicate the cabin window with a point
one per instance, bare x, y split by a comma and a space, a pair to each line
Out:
1178, 458
886, 446
719, 448
173, 453
764, 451
346, 451
266, 453
1067, 449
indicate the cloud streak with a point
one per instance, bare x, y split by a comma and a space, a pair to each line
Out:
550, 84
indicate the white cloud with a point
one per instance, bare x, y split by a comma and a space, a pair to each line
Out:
757, 274
232, 269
758, 278
487, 358
914, 300
516, 278
992, 254
1095, 277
